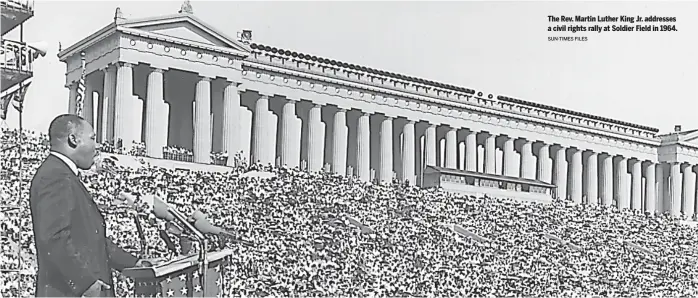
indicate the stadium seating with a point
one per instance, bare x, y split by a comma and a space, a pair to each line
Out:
318, 234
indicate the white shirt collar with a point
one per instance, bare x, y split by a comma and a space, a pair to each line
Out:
67, 161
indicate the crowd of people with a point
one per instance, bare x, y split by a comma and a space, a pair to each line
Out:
319, 234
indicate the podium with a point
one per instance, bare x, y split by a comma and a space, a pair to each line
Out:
180, 277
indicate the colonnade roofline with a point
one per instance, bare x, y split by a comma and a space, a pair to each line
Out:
225, 46
594, 117
327, 67
302, 56
284, 70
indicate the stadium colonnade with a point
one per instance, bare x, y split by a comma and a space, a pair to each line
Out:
175, 81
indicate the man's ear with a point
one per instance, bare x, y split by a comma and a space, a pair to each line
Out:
72, 141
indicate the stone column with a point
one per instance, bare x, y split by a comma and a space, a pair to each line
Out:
124, 95
490, 154
339, 148
202, 124
592, 178
576, 172
622, 191
471, 151
636, 185
259, 143
155, 140
109, 105
451, 148
363, 154
544, 172
650, 192
315, 139
528, 166
607, 180
231, 122
430, 144
386, 157
560, 175
659, 177
689, 184
72, 95
508, 158
288, 116
694, 192
408, 172
88, 103
675, 176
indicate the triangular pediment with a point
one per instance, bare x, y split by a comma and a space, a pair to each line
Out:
690, 137
186, 27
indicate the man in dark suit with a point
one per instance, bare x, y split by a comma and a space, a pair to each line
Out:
74, 256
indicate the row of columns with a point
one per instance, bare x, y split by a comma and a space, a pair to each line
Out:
592, 177
581, 176
117, 118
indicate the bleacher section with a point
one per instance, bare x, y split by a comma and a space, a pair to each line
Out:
316, 234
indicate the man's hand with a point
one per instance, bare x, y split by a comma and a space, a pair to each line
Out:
95, 290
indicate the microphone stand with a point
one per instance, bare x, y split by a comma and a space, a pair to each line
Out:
141, 234
203, 246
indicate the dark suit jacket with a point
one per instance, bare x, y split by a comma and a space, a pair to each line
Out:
69, 231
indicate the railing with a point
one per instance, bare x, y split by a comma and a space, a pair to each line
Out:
178, 155
17, 56
27, 5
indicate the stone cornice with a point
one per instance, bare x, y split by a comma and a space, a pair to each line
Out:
635, 128
122, 46
489, 107
326, 67
439, 114
181, 42
452, 98
97, 56
87, 42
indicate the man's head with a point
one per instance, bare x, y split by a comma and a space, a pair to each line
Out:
73, 137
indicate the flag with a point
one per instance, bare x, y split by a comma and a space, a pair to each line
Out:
19, 97
16, 97
80, 94
4, 102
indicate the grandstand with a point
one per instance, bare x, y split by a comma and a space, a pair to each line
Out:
320, 234
331, 207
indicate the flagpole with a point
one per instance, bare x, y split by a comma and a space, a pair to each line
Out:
80, 94
20, 105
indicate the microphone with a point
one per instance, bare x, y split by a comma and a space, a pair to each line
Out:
168, 242
129, 201
197, 215
161, 209
203, 225
185, 240
173, 228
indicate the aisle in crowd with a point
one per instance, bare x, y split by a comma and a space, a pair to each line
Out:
304, 240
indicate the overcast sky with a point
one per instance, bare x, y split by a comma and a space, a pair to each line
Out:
501, 48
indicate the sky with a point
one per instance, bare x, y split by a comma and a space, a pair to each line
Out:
502, 48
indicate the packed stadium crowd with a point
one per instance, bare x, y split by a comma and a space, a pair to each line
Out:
319, 234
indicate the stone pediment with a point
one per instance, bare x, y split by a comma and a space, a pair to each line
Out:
187, 27
689, 137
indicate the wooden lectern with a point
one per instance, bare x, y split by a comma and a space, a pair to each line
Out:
180, 277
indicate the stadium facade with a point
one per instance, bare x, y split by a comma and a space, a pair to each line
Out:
174, 81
